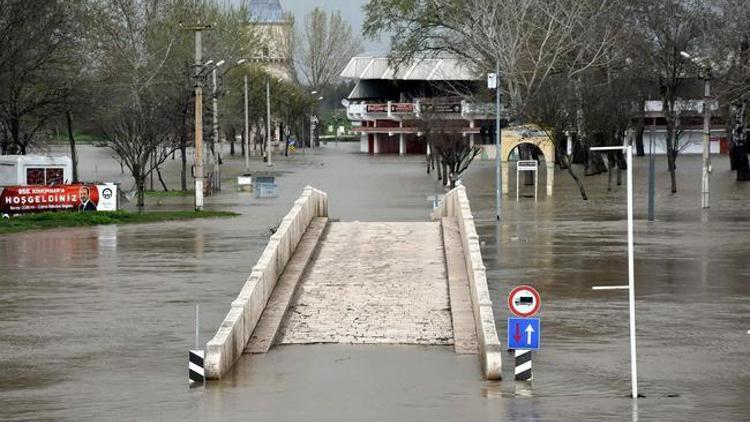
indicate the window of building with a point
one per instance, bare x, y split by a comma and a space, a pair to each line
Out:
44, 176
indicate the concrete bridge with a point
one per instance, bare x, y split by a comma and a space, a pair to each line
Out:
320, 281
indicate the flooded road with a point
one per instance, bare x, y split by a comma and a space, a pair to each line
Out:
95, 322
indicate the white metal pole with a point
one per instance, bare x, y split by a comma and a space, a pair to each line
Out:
705, 203
631, 277
498, 136
536, 183
268, 121
247, 133
197, 324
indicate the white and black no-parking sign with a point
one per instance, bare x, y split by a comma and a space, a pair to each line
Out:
524, 301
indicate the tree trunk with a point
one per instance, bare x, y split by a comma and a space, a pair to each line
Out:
672, 167
232, 135
161, 179
742, 163
438, 165
640, 129
572, 174
183, 157
72, 140
140, 186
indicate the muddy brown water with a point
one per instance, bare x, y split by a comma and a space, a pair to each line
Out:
95, 322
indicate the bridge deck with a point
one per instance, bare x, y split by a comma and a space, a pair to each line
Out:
373, 283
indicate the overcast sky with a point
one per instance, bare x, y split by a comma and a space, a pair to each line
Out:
351, 10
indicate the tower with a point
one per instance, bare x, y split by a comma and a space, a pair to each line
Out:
274, 28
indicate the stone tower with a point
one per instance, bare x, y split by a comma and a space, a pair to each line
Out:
275, 29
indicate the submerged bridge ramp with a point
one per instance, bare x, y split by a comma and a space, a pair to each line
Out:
364, 283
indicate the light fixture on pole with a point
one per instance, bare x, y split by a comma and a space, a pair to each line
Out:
631, 267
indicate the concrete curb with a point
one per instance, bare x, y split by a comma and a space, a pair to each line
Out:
230, 340
456, 204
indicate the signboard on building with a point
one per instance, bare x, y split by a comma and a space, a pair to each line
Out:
402, 108
377, 108
440, 108
39, 198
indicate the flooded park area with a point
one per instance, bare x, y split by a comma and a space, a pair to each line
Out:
95, 322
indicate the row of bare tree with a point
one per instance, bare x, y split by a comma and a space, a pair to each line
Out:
586, 67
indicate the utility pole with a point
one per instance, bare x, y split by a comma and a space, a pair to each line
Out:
268, 120
247, 133
198, 112
705, 203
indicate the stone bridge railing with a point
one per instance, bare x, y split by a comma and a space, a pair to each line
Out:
456, 204
230, 340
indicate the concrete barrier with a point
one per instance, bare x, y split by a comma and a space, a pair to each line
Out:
223, 350
456, 204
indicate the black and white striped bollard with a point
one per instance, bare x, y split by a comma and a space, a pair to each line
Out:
196, 374
523, 365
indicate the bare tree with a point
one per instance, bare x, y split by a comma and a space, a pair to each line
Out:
32, 59
731, 45
325, 44
142, 140
664, 29
531, 39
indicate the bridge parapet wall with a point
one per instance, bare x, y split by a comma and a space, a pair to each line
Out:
223, 350
456, 204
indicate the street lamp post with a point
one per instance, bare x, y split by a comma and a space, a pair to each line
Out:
215, 104
268, 121
706, 171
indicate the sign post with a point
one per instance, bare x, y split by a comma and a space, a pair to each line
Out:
527, 165
524, 333
630, 287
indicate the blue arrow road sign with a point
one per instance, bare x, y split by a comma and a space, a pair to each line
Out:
524, 333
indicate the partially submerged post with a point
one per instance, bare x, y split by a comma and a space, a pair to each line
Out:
631, 268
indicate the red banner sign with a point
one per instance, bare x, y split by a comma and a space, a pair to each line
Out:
377, 108
38, 198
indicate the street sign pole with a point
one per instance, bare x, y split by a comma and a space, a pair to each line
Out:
498, 139
631, 277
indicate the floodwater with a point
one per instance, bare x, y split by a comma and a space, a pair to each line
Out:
95, 323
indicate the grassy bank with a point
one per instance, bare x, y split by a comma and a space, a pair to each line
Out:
50, 220
168, 194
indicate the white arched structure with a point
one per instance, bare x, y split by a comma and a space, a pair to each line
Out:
529, 134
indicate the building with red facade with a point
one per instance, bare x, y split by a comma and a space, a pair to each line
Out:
389, 106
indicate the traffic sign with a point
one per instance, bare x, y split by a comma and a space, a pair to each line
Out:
524, 333
492, 80
524, 301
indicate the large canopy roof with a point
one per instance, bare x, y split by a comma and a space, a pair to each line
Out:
427, 69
